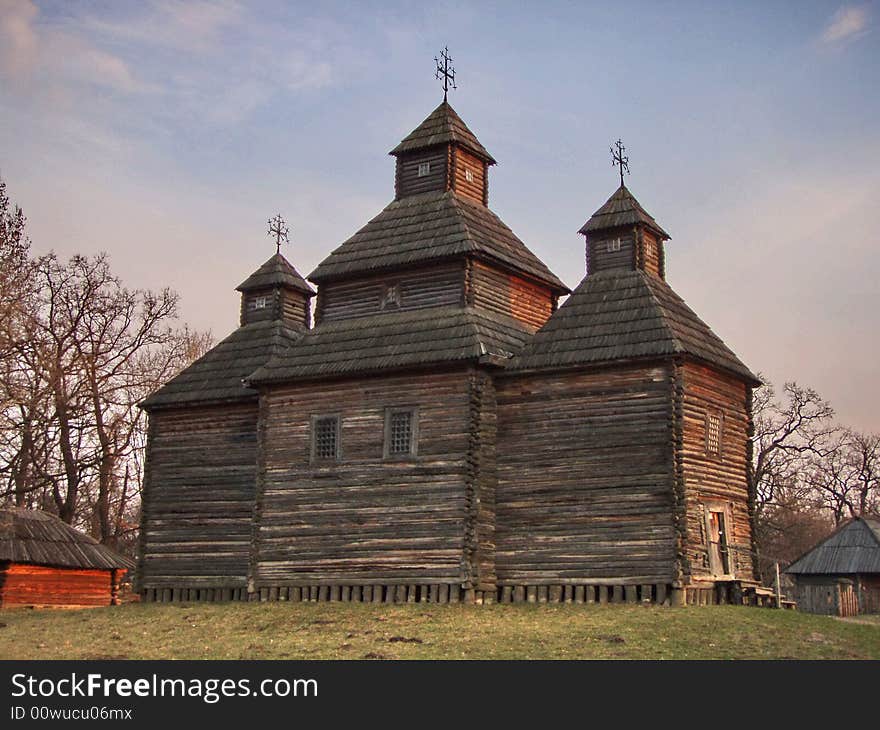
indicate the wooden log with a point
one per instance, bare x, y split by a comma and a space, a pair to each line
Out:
554, 594
519, 594
660, 596
335, 592
542, 594
323, 593
443, 593
389, 593
617, 593
568, 594
578, 594
400, 594
532, 594
273, 593
632, 594
434, 594
506, 594
603, 594
454, 593
470, 596
646, 593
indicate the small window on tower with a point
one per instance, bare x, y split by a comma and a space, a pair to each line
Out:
325, 438
261, 302
401, 432
713, 434
424, 169
468, 175
613, 244
391, 297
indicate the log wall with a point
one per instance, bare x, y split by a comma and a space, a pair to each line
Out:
601, 258
716, 479
475, 188
281, 303
407, 180
198, 497
434, 286
365, 519
585, 471
492, 288
39, 585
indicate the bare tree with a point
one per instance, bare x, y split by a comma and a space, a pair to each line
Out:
786, 433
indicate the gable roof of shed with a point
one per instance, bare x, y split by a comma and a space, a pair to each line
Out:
218, 374
396, 340
275, 271
621, 209
624, 315
432, 226
852, 548
441, 126
40, 538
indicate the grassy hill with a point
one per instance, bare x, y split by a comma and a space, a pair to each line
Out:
365, 631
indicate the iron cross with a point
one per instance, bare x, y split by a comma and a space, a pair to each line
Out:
446, 71
618, 159
279, 229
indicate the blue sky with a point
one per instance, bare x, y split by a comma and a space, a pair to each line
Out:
166, 133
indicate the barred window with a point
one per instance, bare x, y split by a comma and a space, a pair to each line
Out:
468, 175
424, 169
259, 303
401, 426
713, 433
325, 437
613, 244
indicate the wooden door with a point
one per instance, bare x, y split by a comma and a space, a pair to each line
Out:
719, 557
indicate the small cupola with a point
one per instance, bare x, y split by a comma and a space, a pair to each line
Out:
276, 291
442, 153
622, 234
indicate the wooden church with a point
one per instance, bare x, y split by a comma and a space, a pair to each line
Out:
440, 430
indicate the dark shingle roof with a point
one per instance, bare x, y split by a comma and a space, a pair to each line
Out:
427, 227
277, 270
396, 340
441, 126
31, 536
218, 375
621, 209
623, 315
853, 548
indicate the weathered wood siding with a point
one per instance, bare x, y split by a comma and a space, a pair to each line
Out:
585, 477
407, 180
475, 188
482, 480
710, 478
434, 286
601, 256
286, 304
366, 519
651, 257
39, 585
499, 291
198, 501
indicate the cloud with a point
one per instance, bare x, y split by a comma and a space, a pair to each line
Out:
30, 49
848, 23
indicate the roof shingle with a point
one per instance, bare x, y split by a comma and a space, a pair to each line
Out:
427, 227
853, 548
274, 272
396, 340
621, 209
442, 126
218, 374
622, 315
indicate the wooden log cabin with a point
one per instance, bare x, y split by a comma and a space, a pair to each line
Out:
46, 562
443, 431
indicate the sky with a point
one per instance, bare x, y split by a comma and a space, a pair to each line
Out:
166, 133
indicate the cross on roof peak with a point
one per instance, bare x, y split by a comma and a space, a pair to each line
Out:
618, 159
445, 71
279, 229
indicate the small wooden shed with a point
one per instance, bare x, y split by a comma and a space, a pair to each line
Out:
841, 575
46, 562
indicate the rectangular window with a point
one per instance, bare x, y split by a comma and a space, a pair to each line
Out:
468, 175
424, 169
260, 303
713, 433
401, 432
613, 244
325, 438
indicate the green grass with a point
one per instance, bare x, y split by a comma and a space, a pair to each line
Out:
366, 631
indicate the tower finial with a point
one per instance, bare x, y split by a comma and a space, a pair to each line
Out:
618, 159
446, 71
279, 229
